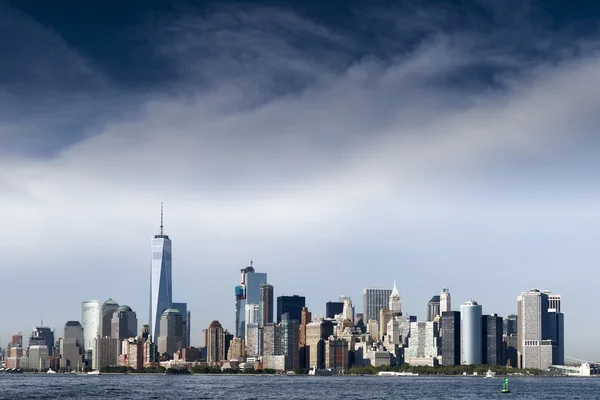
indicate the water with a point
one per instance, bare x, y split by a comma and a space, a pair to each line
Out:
296, 387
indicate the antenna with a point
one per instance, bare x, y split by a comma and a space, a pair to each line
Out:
161, 218
251, 262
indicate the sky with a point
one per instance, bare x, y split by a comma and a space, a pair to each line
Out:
340, 145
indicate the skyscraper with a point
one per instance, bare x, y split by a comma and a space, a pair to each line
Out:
373, 301
161, 289
215, 343
71, 346
290, 339
124, 323
332, 308
305, 319
186, 316
470, 333
510, 325
91, 320
491, 338
433, 308
395, 302
171, 336
266, 304
450, 326
292, 305
247, 292
108, 309
445, 301
423, 344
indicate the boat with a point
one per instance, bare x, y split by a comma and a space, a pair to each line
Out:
50, 371
394, 373
290, 373
94, 372
490, 374
505, 388
320, 372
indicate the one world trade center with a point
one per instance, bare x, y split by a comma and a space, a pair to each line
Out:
161, 293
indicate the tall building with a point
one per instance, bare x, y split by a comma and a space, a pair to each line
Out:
395, 302
290, 339
450, 327
305, 319
38, 358
317, 333
247, 292
445, 301
104, 354
470, 333
253, 340
215, 343
91, 320
271, 339
42, 336
373, 301
491, 340
171, 337
423, 344
336, 354
252, 316
108, 309
185, 316
161, 284
510, 325
540, 329
124, 323
71, 347
237, 350
333, 308
433, 308
348, 309
291, 305
266, 304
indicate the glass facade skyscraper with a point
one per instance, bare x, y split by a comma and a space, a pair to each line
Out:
292, 305
161, 284
247, 292
373, 301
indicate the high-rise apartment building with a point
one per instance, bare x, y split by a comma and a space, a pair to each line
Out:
445, 301
215, 343
433, 308
491, 340
91, 320
373, 301
291, 305
450, 327
470, 333
247, 292
71, 347
105, 351
186, 317
290, 340
253, 340
271, 339
266, 304
171, 337
237, 350
161, 283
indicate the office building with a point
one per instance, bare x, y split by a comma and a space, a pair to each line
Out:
105, 352
336, 354
510, 325
317, 333
215, 343
450, 331
470, 333
43, 336
423, 344
253, 340
445, 301
347, 309
171, 337
266, 304
237, 350
161, 283
290, 339
186, 318
37, 357
305, 319
124, 323
108, 309
491, 340
291, 305
556, 323
395, 302
71, 347
333, 308
373, 301
271, 339
247, 292
91, 321
433, 308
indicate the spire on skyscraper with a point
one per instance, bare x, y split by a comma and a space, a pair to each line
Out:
161, 218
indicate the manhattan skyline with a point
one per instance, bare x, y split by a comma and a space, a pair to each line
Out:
338, 146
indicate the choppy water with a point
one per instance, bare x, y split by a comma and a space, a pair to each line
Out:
297, 387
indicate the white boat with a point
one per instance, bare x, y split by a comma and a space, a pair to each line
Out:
490, 374
94, 373
394, 373
290, 373
320, 372
50, 371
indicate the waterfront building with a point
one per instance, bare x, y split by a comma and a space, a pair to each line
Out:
290, 339
266, 304
43, 336
37, 357
271, 339
336, 354
253, 340
247, 292
317, 333
423, 344
373, 301
470, 333
491, 345
108, 309
133, 353
433, 308
185, 317
450, 331
237, 350
511, 344
71, 347
104, 352
305, 319
171, 336
91, 321
215, 343
161, 284
333, 308
445, 301
291, 305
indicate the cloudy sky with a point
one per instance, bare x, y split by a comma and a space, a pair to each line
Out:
340, 145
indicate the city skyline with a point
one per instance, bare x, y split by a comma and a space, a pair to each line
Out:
340, 148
